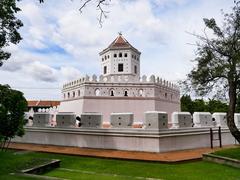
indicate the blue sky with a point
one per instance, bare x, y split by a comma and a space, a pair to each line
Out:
60, 44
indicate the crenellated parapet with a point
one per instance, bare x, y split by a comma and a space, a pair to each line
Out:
121, 79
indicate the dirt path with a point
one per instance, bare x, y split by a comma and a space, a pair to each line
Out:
174, 156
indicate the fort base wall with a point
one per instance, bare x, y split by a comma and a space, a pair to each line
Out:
124, 139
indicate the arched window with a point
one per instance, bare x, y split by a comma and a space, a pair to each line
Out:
112, 92
125, 55
73, 94
97, 92
166, 95
120, 54
115, 55
79, 93
140, 92
64, 96
125, 93
68, 95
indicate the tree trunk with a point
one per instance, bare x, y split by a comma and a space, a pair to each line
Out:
231, 110
8, 144
3, 145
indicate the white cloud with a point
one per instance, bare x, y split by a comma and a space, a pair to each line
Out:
70, 73
158, 32
41, 72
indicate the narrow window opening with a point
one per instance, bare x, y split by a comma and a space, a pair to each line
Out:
120, 55
125, 93
125, 55
120, 67
112, 93
105, 70
135, 69
115, 55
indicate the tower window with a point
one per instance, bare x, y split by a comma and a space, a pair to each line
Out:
102, 59
112, 92
125, 93
135, 69
78, 92
105, 70
120, 67
115, 55
97, 92
105, 57
73, 94
125, 55
120, 55
108, 56
68, 95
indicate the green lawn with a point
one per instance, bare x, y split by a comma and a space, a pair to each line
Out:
231, 153
76, 167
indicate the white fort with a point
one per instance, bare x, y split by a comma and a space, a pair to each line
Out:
120, 88
120, 96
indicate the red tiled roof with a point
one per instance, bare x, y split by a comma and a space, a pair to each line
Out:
119, 42
42, 103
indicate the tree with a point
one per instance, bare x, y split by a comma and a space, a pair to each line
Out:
216, 106
12, 108
9, 26
187, 104
218, 62
238, 104
199, 105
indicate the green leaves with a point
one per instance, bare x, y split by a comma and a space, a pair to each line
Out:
218, 63
9, 26
12, 108
199, 105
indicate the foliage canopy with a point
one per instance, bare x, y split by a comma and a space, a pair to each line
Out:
218, 62
9, 25
12, 108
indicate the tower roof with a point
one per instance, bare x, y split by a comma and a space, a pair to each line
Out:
119, 43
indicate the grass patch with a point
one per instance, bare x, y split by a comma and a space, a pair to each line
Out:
76, 167
233, 153
12, 162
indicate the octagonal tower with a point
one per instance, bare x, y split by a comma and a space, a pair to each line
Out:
120, 58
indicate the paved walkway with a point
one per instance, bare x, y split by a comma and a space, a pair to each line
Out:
168, 157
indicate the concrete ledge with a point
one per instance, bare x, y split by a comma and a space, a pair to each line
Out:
40, 169
128, 139
221, 160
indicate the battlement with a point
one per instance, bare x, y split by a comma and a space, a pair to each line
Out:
121, 79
